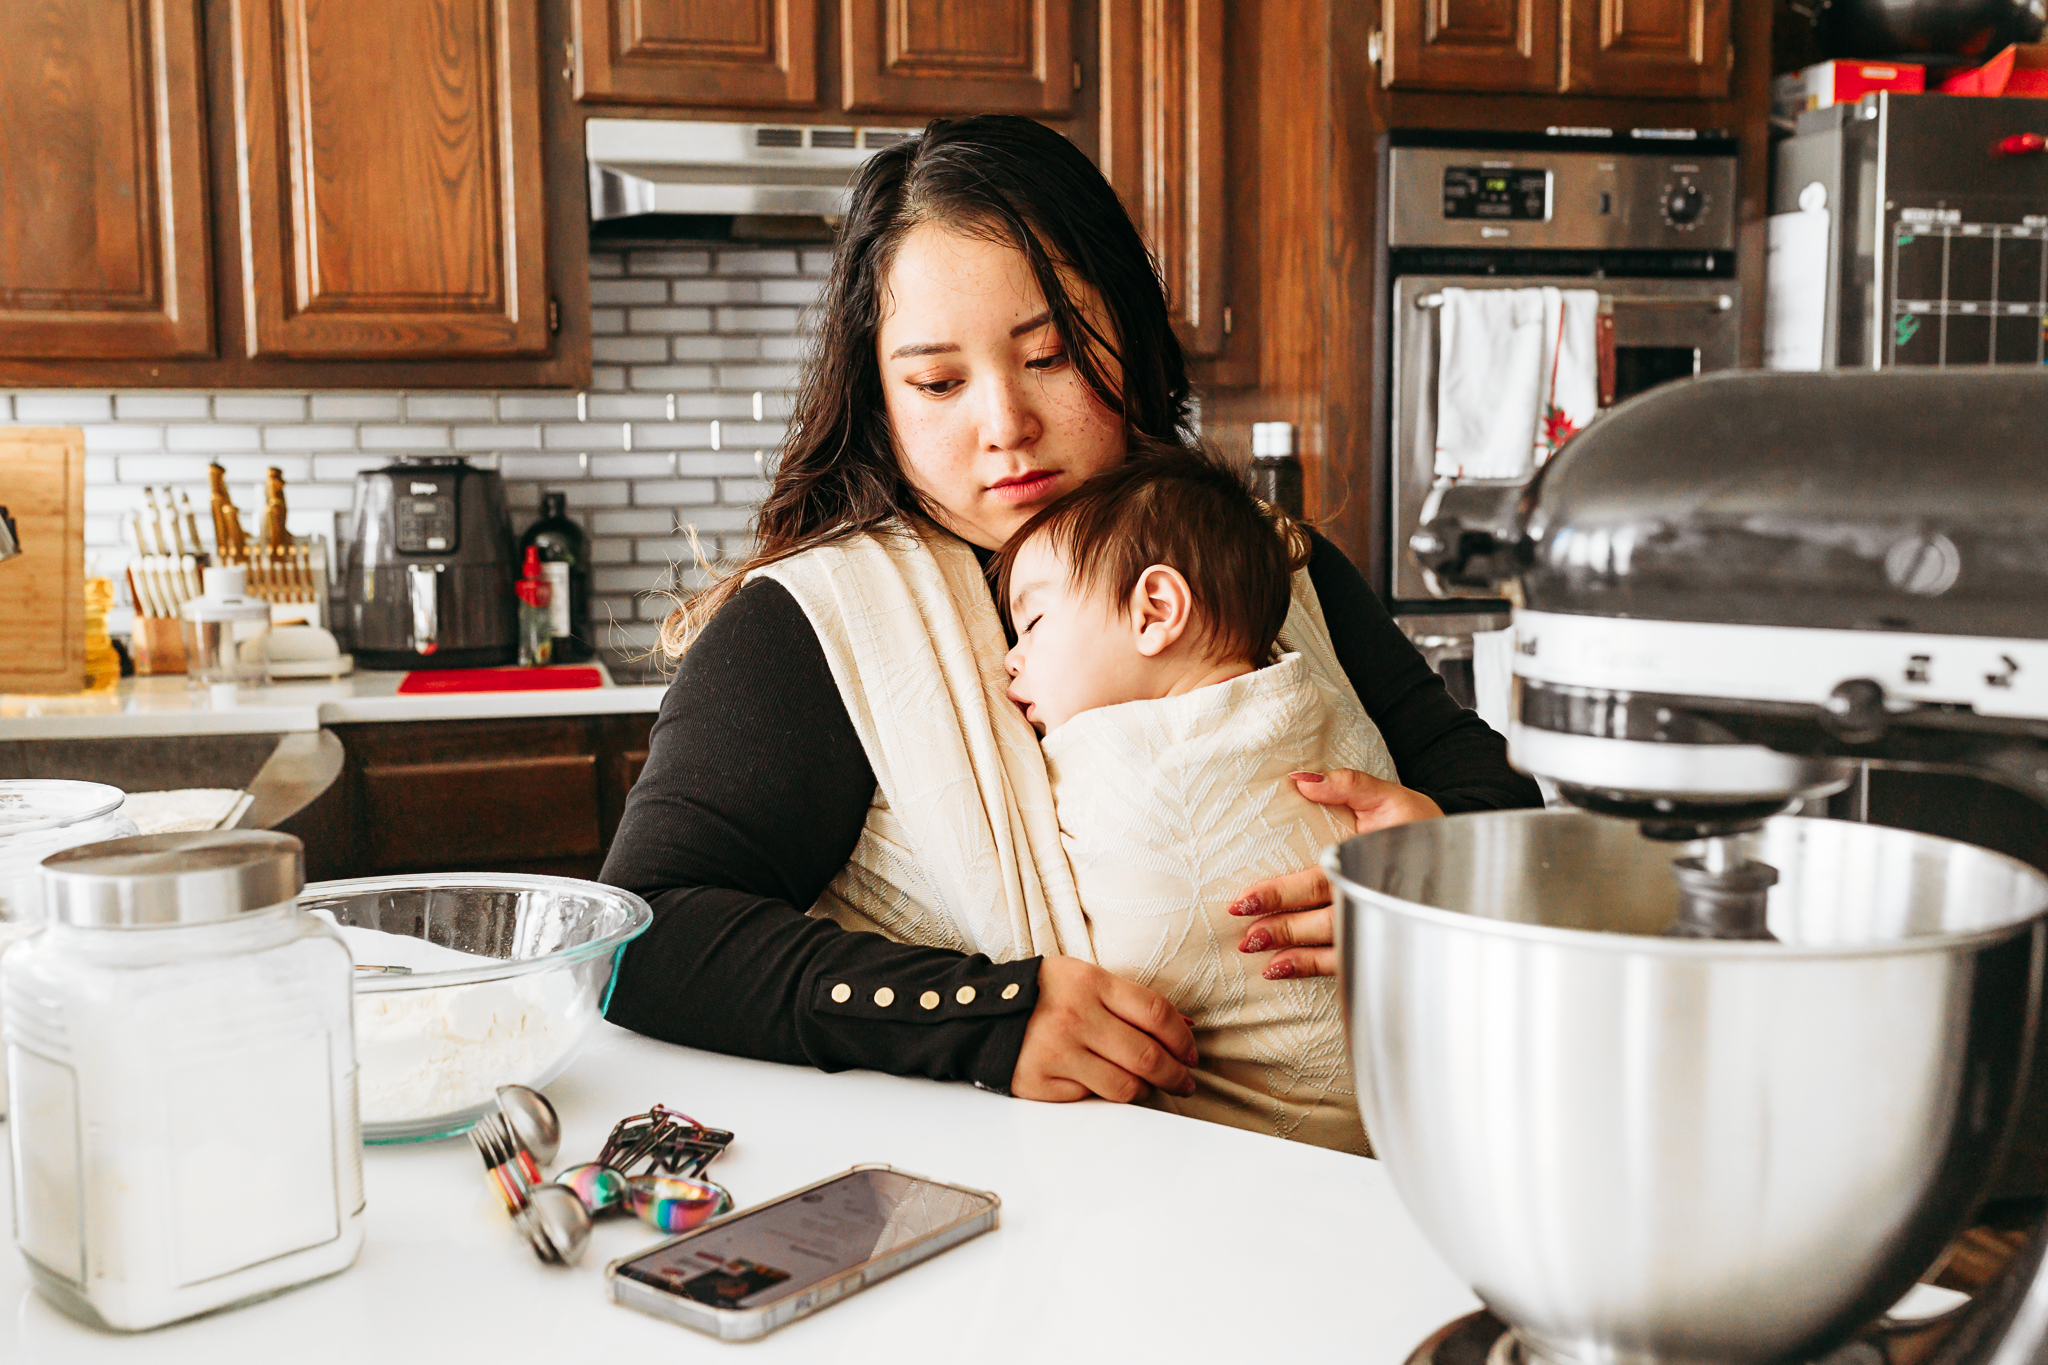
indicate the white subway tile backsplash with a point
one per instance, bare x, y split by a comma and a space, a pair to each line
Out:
817, 262
628, 291
309, 438
540, 466
263, 407
663, 378
685, 337
536, 407
756, 263
212, 438
675, 492
117, 437
449, 407
63, 408
632, 523
668, 262
144, 407
409, 436
668, 321
357, 407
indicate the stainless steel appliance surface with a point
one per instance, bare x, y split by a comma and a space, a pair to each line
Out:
1728, 593
644, 167
428, 567
1641, 1148
1920, 236
1648, 221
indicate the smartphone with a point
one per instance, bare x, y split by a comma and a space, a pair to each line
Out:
750, 1272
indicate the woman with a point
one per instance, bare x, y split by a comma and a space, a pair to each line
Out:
993, 333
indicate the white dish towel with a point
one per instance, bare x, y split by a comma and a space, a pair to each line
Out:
1505, 358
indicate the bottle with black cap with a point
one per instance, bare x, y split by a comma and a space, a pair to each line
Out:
565, 559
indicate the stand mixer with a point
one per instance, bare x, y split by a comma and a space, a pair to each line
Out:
1676, 1076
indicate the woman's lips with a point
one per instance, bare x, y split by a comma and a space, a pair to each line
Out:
1026, 487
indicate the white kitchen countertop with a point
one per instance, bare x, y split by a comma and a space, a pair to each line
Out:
168, 705
1126, 1235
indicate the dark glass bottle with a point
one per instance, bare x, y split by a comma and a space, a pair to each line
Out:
565, 557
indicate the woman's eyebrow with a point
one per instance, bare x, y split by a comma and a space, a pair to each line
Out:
948, 347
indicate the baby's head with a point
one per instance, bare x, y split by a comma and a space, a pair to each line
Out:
1149, 580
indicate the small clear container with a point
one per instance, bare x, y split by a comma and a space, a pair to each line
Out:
182, 1069
227, 633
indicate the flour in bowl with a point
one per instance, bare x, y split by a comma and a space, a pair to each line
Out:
427, 1051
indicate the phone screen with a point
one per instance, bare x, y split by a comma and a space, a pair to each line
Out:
792, 1244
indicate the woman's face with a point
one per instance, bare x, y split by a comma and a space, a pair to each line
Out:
992, 418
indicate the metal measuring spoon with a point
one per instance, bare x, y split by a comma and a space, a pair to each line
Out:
556, 1223
534, 1121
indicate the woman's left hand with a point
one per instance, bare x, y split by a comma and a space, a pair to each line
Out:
1293, 918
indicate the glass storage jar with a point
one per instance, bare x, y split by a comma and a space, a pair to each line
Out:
38, 817
182, 1078
227, 632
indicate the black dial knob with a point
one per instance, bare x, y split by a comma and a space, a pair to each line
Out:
1683, 204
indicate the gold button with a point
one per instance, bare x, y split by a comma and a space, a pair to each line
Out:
841, 993
885, 997
930, 1000
965, 995
1010, 991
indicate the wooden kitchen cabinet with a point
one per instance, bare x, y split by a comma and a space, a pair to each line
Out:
1162, 147
539, 795
392, 186
291, 194
103, 238
958, 56
741, 54
1507, 46
1641, 48
1671, 48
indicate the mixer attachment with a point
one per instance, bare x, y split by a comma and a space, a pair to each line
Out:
1722, 894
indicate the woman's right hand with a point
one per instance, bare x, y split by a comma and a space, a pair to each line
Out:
1094, 1033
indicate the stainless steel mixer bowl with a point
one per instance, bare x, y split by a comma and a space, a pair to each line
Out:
1638, 1148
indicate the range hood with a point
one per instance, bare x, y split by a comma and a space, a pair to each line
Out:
644, 167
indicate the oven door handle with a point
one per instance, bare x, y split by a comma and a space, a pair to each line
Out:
1713, 303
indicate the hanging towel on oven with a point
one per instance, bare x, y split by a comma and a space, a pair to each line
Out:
1517, 372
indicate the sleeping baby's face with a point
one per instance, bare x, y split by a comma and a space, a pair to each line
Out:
1075, 650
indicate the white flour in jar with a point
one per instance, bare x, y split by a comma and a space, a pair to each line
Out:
428, 1051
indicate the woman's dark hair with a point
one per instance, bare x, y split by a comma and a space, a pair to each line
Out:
1188, 510
1009, 180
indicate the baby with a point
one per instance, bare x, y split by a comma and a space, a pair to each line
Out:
1151, 608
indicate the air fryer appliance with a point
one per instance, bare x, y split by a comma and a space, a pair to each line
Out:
429, 567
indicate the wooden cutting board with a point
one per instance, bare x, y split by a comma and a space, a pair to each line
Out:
42, 589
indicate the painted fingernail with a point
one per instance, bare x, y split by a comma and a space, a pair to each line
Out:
1257, 941
1248, 906
1279, 971
1194, 1055
1187, 1088
1306, 777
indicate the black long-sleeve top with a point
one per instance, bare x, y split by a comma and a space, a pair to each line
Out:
756, 789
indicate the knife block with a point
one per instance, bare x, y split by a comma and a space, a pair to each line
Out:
42, 590
157, 645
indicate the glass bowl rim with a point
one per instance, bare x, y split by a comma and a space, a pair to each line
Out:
639, 916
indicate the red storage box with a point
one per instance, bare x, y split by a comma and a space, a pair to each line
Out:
2021, 69
1843, 82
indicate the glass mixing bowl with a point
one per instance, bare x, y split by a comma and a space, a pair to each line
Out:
433, 1046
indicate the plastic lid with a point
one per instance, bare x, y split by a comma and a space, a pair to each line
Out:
226, 597
157, 880
532, 568
31, 804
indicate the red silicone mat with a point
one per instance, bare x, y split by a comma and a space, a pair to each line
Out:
499, 680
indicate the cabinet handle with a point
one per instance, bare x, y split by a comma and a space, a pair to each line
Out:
1077, 73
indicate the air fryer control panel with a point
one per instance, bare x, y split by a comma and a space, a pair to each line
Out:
426, 516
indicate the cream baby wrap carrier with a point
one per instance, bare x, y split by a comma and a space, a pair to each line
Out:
963, 846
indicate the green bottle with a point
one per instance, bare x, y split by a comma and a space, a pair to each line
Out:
565, 559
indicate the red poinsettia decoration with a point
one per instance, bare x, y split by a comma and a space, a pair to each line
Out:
1557, 427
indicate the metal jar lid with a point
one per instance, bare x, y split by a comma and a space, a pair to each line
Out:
157, 880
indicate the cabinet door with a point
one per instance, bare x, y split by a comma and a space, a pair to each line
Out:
1649, 47
1477, 45
734, 53
1162, 148
103, 233
958, 56
390, 174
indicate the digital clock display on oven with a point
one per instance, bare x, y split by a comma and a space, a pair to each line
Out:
1511, 193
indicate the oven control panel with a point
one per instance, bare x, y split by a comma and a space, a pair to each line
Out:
1659, 198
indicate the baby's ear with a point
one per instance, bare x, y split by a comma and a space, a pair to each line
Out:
1162, 608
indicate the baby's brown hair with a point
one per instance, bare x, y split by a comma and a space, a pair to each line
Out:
1185, 509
